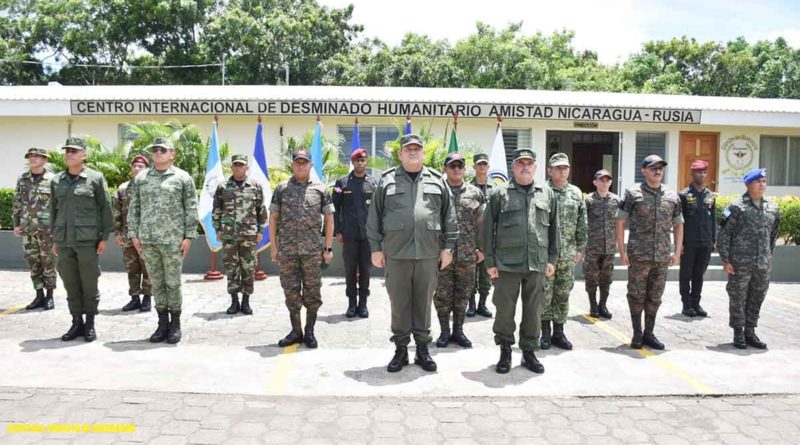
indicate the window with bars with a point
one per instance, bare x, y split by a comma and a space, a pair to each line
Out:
514, 138
780, 155
649, 144
373, 139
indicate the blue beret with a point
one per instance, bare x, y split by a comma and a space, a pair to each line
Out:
754, 174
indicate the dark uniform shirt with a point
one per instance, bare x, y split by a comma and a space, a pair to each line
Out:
601, 215
699, 215
485, 188
351, 198
651, 213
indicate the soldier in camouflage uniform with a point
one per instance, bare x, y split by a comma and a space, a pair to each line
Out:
239, 217
746, 244
598, 265
456, 281
31, 216
138, 280
162, 222
294, 228
652, 211
572, 220
482, 282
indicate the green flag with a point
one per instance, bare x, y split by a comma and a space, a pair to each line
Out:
453, 142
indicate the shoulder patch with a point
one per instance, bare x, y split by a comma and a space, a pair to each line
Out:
391, 170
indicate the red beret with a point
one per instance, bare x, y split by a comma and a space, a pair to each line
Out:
140, 158
699, 165
358, 153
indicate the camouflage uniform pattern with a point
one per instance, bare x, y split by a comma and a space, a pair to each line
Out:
455, 283
239, 215
650, 213
31, 213
747, 241
598, 264
300, 207
482, 282
163, 213
138, 279
572, 219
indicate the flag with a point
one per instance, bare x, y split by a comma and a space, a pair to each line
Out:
408, 125
498, 168
213, 178
316, 153
260, 174
453, 141
356, 138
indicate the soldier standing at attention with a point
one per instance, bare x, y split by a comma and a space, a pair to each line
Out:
138, 280
81, 222
31, 215
162, 222
294, 228
572, 225
352, 195
598, 265
699, 206
456, 281
652, 211
520, 237
239, 217
411, 213
482, 282
746, 243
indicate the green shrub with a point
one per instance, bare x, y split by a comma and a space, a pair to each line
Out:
789, 207
6, 203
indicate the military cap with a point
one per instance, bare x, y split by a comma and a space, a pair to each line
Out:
239, 159
699, 165
162, 142
754, 175
38, 152
76, 143
558, 159
523, 153
652, 160
409, 139
602, 173
301, 153
358, 153
480, 157
454, 157
141, 159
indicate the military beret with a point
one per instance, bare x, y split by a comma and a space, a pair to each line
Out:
699, 165
559, 159
358, 153
524, 153
754, 175
412, 139
37, 152
74, 143
141, 159
239, 159
480, 157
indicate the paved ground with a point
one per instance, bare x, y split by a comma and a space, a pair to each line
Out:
228, 381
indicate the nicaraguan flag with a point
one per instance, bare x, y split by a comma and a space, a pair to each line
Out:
316, 154
408, 125
356, 138
498, 168
260, 174
214, 177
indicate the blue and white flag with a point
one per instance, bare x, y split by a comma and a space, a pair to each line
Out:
408, 125
316, 154
214, 177
356, 138
260, 174
498, 168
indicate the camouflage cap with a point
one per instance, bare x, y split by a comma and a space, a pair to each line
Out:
409, 139
74, 143
652, 160
558, 159
301, 153
37, 152
524, 153
454, 157
239, 159
162, 142
603, 173
480, 157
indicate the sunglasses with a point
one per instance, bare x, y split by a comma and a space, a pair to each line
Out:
455, 166
161, 150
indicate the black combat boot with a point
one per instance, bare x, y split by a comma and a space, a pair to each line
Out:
76, 330
234, 307
145, 307
648, 338
529, 361
48, 300
38, 301
636, 322
444, 326
752, 339
88, 329
161, 331
544, 343
593, 305
174, 334
738, 338
602, 310
363, 312
458, 332
424, 359
399, 360
471, 306
133, 304
245, 307
352, 311
482, 310
504, 364
687, 310
309, 339
559, 338
296, 335
698, 310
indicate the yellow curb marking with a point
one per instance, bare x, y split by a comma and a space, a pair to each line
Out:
279, 377
11, 310
786, 302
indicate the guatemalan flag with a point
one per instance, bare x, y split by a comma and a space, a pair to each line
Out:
260, 174
316, 154
214, 177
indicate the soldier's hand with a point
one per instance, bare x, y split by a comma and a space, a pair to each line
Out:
119, 240
259, 238
185, 245
273, 255
327, 257
551, 270
378, 260
445, 258
17, 231
493, 273
340, 238
578, 257
137, 245
479, 256
55, 250
728, 268
623, 258
101, 247
675, 259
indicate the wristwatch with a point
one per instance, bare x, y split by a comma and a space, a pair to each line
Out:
327, 249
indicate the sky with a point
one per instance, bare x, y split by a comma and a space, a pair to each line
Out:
614, 29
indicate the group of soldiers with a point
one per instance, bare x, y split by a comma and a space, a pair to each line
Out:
440, 240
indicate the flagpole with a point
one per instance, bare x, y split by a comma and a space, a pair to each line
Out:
213, 274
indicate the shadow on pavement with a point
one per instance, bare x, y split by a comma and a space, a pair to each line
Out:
273, 350
478, 319
49, 343
337, 318
379, 376
115, 312
625, 349
582, 320
491, 379
680, 317
728, 348
212, 316
136, 345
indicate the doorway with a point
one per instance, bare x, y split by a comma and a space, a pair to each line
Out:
703, 146
588, 152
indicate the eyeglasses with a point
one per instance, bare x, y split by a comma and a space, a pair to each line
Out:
455, 166
161, 150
